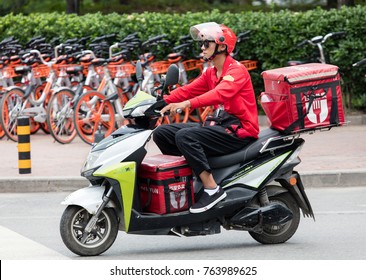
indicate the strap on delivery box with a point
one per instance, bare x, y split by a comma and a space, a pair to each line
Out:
334, 118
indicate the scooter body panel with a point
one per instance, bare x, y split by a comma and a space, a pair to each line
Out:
253, 175
237, 198
89, 198
125, 174
115, 150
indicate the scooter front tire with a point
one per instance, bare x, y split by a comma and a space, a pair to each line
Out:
101, 238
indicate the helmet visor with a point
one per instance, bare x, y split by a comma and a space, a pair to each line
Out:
206, 31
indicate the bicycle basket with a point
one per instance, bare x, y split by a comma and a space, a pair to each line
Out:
8, 72
122, 70
249, 64
160, 67
191, 64
41, 71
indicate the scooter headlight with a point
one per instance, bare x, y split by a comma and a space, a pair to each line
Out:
91, 160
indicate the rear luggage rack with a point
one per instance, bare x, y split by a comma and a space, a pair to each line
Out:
278, 142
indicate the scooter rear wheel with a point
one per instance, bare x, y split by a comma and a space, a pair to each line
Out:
281, 233
101, 238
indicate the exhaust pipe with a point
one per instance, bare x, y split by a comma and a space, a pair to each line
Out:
272, 214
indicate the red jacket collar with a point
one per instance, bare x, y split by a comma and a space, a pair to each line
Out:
228, 61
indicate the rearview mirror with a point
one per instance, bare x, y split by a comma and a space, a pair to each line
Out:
172, 76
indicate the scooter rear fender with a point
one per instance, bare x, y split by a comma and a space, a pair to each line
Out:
89, 198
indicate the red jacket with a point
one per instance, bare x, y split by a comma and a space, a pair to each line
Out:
234, 90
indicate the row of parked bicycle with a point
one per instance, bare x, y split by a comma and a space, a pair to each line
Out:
71, 89
74, 88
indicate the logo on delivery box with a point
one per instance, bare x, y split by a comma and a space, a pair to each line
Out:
178, 195
318, 111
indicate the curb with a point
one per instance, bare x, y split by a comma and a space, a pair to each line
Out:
336, 178
341, 178
42, 184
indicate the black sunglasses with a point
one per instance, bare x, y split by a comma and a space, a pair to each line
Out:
205, 43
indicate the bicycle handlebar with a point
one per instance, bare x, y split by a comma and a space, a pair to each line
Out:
37, 52
89, 52
321, 39
57, 48
243, 36
338, 34
182, 47
359, 63
153, 40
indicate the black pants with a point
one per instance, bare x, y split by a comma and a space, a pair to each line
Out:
196, 143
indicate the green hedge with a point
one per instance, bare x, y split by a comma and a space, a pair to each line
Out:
273, 38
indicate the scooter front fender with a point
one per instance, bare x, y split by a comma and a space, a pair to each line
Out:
89, 198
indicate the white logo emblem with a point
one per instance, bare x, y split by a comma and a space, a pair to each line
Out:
318, 112
177, 195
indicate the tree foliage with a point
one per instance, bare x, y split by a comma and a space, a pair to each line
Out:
128, 6
272, 42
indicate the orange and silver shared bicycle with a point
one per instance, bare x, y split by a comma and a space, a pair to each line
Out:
29, 101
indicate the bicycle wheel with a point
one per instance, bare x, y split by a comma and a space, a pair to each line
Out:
11, 109
183, 117
60, 116
34, 126
2, 133
201, 114
92, 112
123, 99
38, 92
164, 120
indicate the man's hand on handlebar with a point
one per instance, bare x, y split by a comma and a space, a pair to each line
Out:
175, 108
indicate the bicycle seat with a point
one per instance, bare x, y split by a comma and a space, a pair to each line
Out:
15, 59
86, 59
62, 59
175, 57
99, 61
22, 69
249, 152
74, 70
295, 62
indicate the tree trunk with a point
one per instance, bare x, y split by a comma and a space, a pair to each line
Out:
337, 4
332, 4
348, 3
73, 7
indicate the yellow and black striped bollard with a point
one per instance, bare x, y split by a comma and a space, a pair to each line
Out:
24, 149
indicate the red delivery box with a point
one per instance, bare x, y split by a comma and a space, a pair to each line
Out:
303, 97
166, 184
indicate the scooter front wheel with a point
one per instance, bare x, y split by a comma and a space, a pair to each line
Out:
100, 239
276, 234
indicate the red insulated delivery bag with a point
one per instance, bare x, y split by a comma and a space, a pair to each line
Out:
303, 97
166, 184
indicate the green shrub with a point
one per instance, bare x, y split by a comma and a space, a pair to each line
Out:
272, 42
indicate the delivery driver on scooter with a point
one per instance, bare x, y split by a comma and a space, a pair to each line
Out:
227, 86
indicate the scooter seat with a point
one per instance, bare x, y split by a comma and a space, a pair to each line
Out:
249, 152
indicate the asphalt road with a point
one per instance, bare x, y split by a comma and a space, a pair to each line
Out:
337, 234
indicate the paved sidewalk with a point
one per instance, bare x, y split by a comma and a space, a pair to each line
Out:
329, 158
